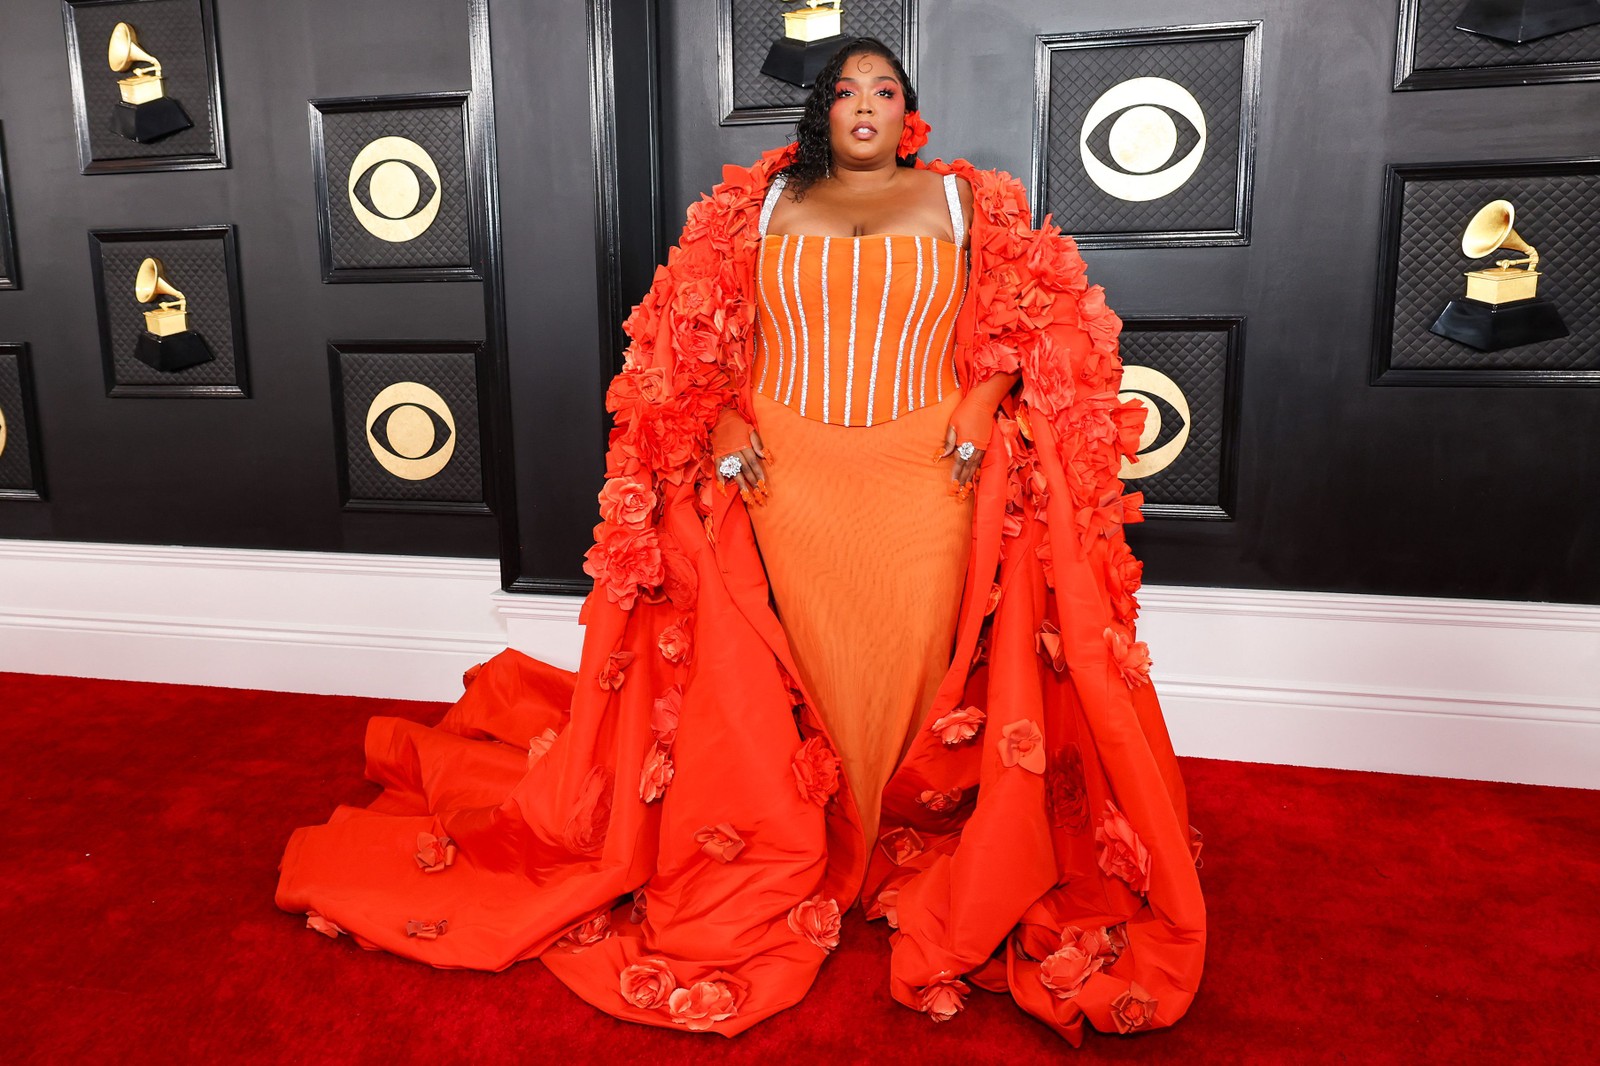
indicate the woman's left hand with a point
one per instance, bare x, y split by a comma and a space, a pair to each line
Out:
963, 472
973, 420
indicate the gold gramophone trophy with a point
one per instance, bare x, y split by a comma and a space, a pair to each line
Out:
145, 113
166, 343
1521, 21
1502, 308
811, 34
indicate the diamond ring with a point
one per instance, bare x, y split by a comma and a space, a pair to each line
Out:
730, 466
966, 450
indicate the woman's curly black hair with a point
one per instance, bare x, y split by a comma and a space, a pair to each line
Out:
815, 153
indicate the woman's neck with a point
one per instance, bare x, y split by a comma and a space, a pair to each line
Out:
865, 180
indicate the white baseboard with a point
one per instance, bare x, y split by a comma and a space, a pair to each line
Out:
1455, 688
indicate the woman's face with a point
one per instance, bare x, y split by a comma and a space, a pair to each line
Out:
868, 111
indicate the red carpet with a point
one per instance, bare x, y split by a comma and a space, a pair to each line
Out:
1354, 917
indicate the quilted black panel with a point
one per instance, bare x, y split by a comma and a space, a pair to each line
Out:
1441, 46
170, 30
198, 269
757, 23
1560, 216
441, 132
1197, 362
16, 464
453, 375
1212, 72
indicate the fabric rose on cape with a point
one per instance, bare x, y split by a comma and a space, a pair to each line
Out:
721, 841
586, 826
623, 559
1134, 1009
1022, 744
434, 853
648, 983
703, 1003
1081, 954
1132, 657
817, 919
1122, 853
816, 770
591, 930
611, 673
887, 907
1049, 644
943, 997
627, 501
664, 715
427, 930
901, 844
322, 925
656, 775
674, 641
960, 724
539, 746
1066, 791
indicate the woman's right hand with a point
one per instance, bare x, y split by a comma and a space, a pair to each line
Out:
729, 437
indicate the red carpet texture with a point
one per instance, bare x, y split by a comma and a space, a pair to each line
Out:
1355, 917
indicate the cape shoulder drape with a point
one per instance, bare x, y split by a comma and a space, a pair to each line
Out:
1035, 837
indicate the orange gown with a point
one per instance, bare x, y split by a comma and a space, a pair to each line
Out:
670, 827
854, 387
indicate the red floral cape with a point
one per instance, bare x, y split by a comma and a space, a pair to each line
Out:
668, 827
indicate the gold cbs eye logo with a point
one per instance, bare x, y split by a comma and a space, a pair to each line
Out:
2, 431
394, 189
1143, 139
1166, 426
411, 431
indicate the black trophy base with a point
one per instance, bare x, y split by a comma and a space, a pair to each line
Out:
1494, 327
149, 121
799, 62
1521, 21
177, 352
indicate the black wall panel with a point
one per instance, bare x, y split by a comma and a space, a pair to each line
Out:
256, 472
1342, 486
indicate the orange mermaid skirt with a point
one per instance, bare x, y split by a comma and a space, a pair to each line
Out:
865, 548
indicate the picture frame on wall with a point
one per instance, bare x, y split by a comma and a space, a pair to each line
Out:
1145, 138
21, 462
1187, 371
1460, 44
411, 425
171, 312
146, 85
10, 276
748, 30
399, 188
1443, 317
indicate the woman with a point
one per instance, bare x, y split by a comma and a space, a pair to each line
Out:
946, 717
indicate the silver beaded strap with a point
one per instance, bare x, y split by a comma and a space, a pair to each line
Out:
953, 198
771, 202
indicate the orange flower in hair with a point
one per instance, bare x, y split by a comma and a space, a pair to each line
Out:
913, 136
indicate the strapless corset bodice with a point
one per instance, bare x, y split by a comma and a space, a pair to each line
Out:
857, 330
